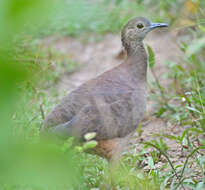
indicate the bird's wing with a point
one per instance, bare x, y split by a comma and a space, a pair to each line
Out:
108, 120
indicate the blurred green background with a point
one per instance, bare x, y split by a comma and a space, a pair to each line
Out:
25, 72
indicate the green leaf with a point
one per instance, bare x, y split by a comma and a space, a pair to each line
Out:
200, 186
90, 136
150, 163
79, 149
182, 136
188, 181
183, 46
202, 28
90, 145
193, 109
172, 137
160, 111
151, 57
67, 144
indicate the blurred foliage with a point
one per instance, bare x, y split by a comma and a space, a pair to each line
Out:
100, 16
23, 163
78, 17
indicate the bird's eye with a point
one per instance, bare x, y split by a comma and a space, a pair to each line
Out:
140, 26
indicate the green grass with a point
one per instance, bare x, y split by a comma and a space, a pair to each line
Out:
183, 105
75, 18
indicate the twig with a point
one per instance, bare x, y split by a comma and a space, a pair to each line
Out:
42, 112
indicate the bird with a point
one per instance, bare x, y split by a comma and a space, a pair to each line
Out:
112, 104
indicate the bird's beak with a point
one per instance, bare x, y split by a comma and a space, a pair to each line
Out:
157, 25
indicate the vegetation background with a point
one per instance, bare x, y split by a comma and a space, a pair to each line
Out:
30, 71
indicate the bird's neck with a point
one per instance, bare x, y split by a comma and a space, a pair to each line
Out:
137, 59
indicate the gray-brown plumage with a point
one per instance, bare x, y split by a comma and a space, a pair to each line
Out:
113, 104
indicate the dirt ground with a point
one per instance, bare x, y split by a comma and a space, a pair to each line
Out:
96, 57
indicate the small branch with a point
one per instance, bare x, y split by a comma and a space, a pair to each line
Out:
42, 112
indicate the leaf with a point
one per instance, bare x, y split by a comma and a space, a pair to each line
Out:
90, 145
78, 149
202, 28
180, 68
150, 163
200, 186
188, 181
195, 47
151, 57
67, 144
182, 136
193, 109
183, 46
160, 111
90, 136
172, 137
198, 131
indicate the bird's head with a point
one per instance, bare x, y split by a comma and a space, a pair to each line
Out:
136, 29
